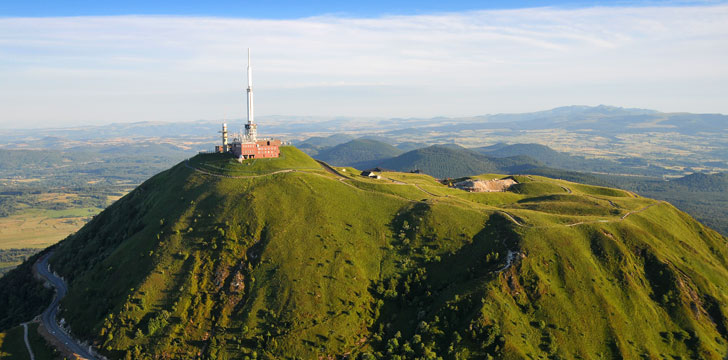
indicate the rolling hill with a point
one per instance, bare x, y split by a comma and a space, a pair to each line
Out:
560, 160
283, 258
443, 161
313, 145
356, 151
539, 152
704, 182
703, 196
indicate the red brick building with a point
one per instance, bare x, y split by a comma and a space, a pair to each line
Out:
256, 150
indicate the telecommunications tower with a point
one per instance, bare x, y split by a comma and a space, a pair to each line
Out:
247, 146
251, 129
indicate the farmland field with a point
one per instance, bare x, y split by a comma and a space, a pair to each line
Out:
41, 228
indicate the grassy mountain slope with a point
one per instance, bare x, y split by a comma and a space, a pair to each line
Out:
703, 196
356, 151
451, 161
281, 259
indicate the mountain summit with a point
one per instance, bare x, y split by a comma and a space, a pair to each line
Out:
289, 258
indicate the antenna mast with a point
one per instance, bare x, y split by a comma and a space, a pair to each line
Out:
251, 129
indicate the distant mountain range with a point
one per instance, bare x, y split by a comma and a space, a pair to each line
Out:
605, 119
669, 143
602, 118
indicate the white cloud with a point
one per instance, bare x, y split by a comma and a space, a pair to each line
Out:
80, 70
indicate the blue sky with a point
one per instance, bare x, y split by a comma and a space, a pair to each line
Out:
291, 9
78, 63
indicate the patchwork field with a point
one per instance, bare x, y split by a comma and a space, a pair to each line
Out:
41, 221
41, 228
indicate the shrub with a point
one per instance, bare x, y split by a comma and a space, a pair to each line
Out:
158, 322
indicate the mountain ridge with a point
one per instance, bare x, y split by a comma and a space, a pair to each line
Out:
357, 151
451, 160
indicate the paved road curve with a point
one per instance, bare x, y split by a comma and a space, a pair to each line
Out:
49, 315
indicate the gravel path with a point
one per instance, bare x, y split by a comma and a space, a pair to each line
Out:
27, 343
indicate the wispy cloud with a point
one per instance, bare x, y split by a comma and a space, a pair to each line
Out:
77, 70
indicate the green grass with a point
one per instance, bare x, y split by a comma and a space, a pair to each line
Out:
408, 192
225, 164
491, 199
68, 213
569, 205
347, 171
303, 264
537, 188
12, 345
489, 176
419, 179
599, 190
41, 349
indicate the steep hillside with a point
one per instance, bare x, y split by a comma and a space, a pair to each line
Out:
704, 196
280, 258
357, 151
21, 297
451, 161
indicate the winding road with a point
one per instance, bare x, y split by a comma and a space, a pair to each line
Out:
49, 314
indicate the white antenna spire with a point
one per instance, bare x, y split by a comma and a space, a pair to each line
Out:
251, 130
250, 72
